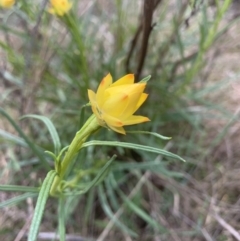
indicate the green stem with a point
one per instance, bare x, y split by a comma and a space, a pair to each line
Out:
89, 127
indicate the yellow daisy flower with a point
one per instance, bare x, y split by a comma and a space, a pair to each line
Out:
7, 3
59, 7
115, 103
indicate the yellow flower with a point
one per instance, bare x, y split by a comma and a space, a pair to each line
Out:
115, 103
59, 7
7, 3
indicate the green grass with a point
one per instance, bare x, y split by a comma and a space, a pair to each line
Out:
48, 65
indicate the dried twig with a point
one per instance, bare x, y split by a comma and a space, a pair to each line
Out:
54, 236
132, 47
146, 27
227, 226
148, 10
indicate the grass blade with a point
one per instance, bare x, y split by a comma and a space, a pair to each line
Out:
151, 133
61, 219
17, 199
12, 138
16, 188
41, 201
30, 144
51, 128
133, 146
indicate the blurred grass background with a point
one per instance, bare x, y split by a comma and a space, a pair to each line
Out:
191, 49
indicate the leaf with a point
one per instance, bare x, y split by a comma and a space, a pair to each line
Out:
40, 206
151, 133
13, 138
133, 146
61, 219
146, 79
16, 188
51, 128
32, 146
17, 199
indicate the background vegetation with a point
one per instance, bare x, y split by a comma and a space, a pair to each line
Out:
191, 49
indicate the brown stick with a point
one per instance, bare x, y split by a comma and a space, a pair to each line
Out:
145, 25
148, 9
132, 47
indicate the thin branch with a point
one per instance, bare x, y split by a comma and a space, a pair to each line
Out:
148, 9
227, 226
146, 27
54, 236
132, 47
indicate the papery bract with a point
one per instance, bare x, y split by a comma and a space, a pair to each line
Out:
115, 103
59, 7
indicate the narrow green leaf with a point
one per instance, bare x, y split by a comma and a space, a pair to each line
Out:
41, 202
132, 146
8, 75
61, 219
90, 202
13, 138
16, 188
146, 79
51, 128
112, 195
17, 199
151, 133
81, 117
51, 154
30, 144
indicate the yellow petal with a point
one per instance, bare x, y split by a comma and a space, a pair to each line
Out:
135, 119
127, 89
125, 80
118, 129
133, 92
105, 83
91, 96
115, 105
131, 107
112, 121
97, 114
141, 100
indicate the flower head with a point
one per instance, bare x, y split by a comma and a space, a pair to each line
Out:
59, 7
115, 103
6, 3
